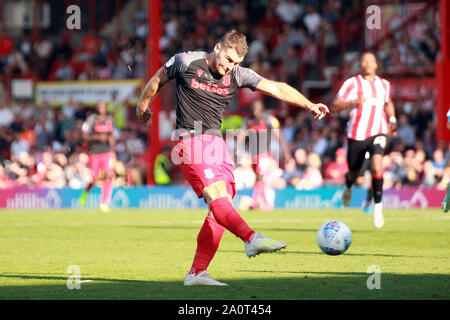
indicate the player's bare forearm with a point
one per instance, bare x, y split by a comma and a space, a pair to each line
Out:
284, 92
390, 109
151, 90
340, 104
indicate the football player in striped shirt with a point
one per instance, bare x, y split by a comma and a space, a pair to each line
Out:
372, 118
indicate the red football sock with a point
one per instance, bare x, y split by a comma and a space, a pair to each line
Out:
227, 216
208, 240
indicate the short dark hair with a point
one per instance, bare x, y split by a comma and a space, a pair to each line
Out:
235, 40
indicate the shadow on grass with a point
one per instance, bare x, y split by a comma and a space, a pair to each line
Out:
286, 251
299, 230
264, 285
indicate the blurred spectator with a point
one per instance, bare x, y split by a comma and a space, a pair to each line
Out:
312, 177
4, 179
6, 44
289, 11
291, 67
90, 44
118, 110
405, 132
244, 174
318, 141
19, 145
69, 109
288, 130
15, 63
291, 174
312, 20
336, 170
64, 72
6, 115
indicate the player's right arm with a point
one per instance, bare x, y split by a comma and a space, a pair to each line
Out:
347, 96
151, 90
340, 104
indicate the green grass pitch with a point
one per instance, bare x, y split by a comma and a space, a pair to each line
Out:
145, 254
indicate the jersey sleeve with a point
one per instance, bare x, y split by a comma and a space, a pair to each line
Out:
180, 62
246, 78
175, 66
348, 90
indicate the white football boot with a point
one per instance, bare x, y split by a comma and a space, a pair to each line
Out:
378, 219
260, 244
201, 279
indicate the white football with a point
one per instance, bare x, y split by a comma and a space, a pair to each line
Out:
334, 237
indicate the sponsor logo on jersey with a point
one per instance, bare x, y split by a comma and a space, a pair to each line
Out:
213, 88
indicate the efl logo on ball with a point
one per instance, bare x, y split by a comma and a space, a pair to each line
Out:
334, 237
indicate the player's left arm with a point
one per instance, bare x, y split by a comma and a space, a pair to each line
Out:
284, 92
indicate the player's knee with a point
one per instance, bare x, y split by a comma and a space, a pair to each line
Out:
215, 190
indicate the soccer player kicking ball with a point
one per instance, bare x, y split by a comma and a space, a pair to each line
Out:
259, 127
205, 84
372, 118
97, 130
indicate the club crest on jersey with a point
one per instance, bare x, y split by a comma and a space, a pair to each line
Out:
226, 80
199, 72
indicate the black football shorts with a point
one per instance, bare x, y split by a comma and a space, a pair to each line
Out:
357, 150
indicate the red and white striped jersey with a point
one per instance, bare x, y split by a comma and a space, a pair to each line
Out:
369, 118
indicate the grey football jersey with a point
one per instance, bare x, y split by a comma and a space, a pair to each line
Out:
203, 95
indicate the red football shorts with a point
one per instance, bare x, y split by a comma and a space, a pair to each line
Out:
101, 162
204, 159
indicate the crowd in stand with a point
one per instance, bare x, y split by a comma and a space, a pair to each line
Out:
43, 146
